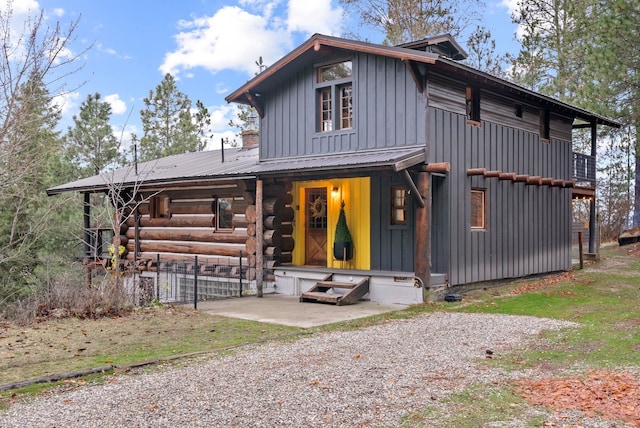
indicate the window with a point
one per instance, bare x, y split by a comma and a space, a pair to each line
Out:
159, 207
544, 125
473, 104
398, 205
478, 209
224, 213
333, 82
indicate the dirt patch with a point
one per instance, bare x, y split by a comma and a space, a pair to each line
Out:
610, 395
60, 346
545, 282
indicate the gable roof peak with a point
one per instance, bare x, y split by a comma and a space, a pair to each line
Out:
444, 45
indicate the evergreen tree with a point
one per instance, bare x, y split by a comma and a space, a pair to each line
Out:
30, 150
482, 52
613, 87
167, 122
403, 21
91, 142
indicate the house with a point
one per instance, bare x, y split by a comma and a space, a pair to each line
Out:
448, 175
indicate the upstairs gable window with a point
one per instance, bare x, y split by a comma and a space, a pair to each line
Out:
334, 82
473, 104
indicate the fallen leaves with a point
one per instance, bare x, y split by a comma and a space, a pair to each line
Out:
613, 396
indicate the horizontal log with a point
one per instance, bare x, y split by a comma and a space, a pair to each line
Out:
250, 214
272, 237
196, 248
547, 181
273, 252
251, 229
439, 167
273, 206
175, 221
180, 257
476, 171
249, 197
286, 229
194, 207
239, 221
272, 222
521, 178
287, 214
188, 234
286, 257
492, 174
507, 176
534, 180
287, 244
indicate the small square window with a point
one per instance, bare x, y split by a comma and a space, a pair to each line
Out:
398, 205
224, 213
478, 209
159, 207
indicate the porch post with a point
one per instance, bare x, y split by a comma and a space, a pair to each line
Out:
259, 238
423, 232
86, 232
592, 202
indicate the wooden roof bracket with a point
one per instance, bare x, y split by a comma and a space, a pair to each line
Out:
255, 103
412, 188
418, 77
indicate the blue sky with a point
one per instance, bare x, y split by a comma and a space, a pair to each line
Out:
210, 46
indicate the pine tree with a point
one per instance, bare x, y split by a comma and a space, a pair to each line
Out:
167, 122
91, 142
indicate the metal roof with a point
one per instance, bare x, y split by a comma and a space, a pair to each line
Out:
309, 51
239, 163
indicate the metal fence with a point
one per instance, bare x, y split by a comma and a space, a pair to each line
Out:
193, 281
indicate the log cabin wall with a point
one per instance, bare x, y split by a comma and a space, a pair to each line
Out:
179, 224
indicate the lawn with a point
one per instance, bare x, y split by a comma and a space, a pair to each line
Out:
600, 358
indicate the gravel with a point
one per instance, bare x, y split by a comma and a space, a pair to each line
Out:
368, 377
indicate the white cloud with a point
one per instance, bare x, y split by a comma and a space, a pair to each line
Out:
234, 38
68, 103
117, 105
511, 5
22, 7
231, 39
313, 17
59, 12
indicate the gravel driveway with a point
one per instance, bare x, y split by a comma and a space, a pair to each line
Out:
368, 377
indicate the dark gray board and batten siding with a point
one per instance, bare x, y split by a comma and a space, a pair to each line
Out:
388, 112
529, 227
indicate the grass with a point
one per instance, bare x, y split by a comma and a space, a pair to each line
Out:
602, 299
62, 346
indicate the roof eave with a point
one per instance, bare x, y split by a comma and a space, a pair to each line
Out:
579, 112
316, 42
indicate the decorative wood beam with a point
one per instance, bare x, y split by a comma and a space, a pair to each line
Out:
255, 103
522, 178
492, 174
441, 167
547, 181
476, 171
507, 176
413, 188
537, 180
418, 77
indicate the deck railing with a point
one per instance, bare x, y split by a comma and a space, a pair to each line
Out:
584, 168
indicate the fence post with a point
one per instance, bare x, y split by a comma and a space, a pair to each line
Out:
195, 285
241, 273
158, 277
580, 250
